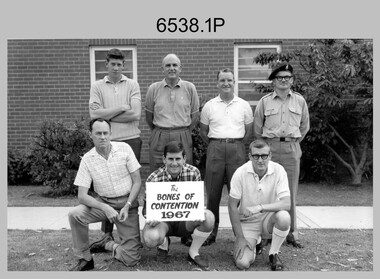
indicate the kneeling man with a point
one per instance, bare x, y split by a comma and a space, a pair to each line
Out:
258, 206
155, 233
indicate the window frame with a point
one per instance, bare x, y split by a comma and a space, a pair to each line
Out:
93, 49
236, 64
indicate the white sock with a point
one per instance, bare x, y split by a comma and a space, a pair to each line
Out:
198, 239
110, 245
165, 244
278, 238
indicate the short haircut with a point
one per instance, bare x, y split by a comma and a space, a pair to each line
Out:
115, 53
226, 70
174, 147
97, 119
259, 143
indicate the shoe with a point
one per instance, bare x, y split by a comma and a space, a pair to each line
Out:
295, 242
275, 262
100, 245
259, 248
186, 240
199, 261
162, 255
210, 240
83, 265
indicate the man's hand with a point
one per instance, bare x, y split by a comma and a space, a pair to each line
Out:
153, 223
125, 107
252, 210
240, 245
110, 213
123, 214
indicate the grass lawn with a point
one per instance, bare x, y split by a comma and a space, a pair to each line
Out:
325, 250
310, 194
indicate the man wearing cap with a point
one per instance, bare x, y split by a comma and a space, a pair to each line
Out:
225, 125
282, 119
172, 110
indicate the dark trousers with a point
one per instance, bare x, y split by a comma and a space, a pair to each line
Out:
135, 144
223, 158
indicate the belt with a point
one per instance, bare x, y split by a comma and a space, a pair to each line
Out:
226, 140
172, 128
282, 139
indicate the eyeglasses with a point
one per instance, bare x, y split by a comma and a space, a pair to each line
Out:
257, 156
286, 78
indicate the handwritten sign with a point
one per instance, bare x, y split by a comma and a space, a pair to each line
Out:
175, 201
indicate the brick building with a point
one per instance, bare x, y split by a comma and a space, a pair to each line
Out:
50, 79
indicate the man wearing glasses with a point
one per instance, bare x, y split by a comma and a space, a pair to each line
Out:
282, 119
258, 206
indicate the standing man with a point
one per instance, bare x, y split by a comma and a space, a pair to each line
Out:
156, 234
117, 99
282, 119
258, 205
226, 123
114, 171
172, 110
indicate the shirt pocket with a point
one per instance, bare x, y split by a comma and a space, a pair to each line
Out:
295, 115
272, 118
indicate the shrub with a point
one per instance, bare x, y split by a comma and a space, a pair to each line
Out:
56, 153
18, 167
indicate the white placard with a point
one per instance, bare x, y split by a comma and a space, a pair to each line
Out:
175, 201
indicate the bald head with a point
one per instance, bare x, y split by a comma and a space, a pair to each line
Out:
171, 57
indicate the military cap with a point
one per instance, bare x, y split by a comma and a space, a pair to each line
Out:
284, 66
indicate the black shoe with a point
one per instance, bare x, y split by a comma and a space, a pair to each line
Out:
295, 242
83, 265
186, 240
162, 255
210, 240
275, 262
199, 261
259, 248
100, 245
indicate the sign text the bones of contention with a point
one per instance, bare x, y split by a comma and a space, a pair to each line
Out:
175, 201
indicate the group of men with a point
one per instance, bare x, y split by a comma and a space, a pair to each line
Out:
262, 191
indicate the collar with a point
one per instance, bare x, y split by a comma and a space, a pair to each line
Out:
107, 80
179, 83
235, 99
270, 169
274, 95
169, 175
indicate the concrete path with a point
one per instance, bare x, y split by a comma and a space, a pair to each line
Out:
308, 217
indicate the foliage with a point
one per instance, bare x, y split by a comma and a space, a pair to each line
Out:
56, 152
337, 83
18, 166
199, 146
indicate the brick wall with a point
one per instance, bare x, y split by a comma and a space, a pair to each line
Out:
50, 79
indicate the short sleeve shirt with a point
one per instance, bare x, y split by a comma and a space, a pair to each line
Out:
275, 117
172, 106
226, 120
250, 190
112, 177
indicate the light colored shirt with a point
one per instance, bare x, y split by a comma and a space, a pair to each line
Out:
112, 177
107, 94
250, 190
172, 106
226, 120
276, 118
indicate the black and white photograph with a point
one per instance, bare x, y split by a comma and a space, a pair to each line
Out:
254, 136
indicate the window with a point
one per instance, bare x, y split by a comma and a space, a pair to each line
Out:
247, 72
98, 57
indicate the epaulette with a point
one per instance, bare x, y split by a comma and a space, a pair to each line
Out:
267, 95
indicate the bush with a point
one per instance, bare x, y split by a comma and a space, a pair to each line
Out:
56, 153
18, 167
